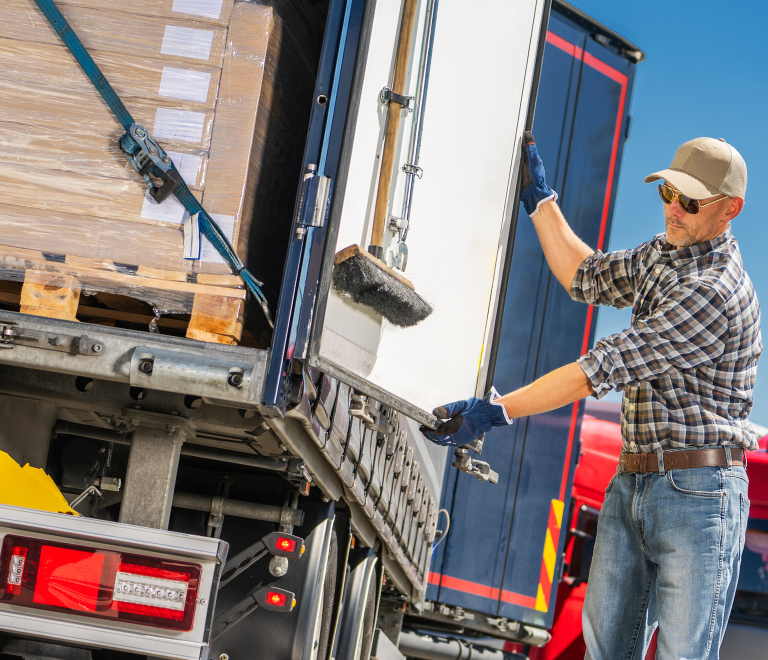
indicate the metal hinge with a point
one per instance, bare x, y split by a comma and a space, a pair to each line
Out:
12, 335
314, 205
387, 96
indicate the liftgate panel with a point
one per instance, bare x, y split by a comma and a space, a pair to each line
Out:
502, 555
461, 210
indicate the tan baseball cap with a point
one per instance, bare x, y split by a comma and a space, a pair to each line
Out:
706, 167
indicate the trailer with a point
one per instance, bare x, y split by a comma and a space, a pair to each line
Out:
240, 488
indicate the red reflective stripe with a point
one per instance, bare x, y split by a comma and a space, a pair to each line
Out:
457, 584
482, 590
562, 44
605, 69
518, 599
574, 419
612, 166
615, 75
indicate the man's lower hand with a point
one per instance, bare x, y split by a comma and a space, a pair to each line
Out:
533, 180
466, 421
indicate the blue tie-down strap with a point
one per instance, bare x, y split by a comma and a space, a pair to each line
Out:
151, 162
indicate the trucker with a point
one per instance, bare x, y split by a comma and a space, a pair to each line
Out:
674, 519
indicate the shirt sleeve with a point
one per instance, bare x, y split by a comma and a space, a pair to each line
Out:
607, 279
689, 329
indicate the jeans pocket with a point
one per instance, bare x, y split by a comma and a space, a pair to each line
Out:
699, 482
610, 483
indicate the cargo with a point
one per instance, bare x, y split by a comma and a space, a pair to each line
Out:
38, 105
189, 86
173, 38
73, 206
216, 12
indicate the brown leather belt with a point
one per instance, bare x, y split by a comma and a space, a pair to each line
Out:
678, 460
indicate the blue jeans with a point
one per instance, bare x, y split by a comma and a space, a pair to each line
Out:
667, 554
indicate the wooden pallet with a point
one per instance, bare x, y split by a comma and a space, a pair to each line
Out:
203, 306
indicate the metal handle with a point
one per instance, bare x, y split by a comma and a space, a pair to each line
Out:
411, 168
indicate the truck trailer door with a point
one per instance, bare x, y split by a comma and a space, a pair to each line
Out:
483, 64
503, 554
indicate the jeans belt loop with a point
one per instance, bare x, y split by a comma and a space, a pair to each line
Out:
660, 458
728, 459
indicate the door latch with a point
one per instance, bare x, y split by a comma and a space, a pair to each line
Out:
473, 467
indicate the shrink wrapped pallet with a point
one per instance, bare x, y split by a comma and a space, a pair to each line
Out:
171, 37
215, 12
76, 220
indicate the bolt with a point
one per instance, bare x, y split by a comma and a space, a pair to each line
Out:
166, 159
322, 99
97, 348
235, 380
145, 366
223, 656
278, 566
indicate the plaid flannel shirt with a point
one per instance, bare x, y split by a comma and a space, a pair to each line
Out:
687, 364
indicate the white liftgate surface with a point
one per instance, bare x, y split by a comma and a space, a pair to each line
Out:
478, 96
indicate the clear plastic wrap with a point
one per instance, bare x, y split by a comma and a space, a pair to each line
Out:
176, 85
174, 38
79, 236
216, 12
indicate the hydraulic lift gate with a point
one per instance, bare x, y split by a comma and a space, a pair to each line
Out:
502, 556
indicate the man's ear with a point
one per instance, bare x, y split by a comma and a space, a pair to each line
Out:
733, 209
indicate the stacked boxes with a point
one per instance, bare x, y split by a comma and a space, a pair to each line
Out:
199, 74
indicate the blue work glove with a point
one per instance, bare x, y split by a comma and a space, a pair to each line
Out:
466, 421
535, 188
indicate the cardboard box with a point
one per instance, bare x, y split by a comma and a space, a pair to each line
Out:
215, 12
172, 38
183, 86
59, 158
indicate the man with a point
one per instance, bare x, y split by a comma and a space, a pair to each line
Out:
672, 527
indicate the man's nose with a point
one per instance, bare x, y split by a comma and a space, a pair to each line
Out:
675, 208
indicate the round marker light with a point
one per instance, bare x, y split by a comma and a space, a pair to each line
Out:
276, 599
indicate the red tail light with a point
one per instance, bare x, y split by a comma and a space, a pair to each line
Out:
98, 583
286, 545
275, 599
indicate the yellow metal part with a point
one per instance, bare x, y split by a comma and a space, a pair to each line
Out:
29, 487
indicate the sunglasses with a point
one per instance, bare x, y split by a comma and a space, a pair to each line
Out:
689, 205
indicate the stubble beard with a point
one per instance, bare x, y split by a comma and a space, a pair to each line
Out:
685, 241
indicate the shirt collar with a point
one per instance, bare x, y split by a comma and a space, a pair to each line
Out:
680, 256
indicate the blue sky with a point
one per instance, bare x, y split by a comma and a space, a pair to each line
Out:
704, 75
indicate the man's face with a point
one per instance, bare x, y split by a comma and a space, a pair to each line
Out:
684, 229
